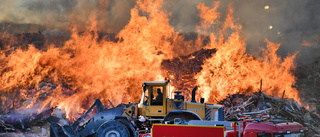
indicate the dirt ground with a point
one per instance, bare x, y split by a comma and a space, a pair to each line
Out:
35, 131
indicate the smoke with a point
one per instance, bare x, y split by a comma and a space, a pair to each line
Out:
293, 23
289, 22
111, 15
35, 11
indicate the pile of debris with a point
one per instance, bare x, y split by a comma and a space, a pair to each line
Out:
239, 107
15, 114
23, 120
181, 70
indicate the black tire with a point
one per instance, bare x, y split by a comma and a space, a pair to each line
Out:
113, 129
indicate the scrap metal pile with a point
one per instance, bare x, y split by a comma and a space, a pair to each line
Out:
259, 106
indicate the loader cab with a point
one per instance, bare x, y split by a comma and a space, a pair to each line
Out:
153, 100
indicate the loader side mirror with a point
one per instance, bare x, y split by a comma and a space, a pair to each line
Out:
177, 121
144, 86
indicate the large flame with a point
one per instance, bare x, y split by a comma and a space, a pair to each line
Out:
88, 67
231, 70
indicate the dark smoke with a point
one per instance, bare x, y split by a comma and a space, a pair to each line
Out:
292, 21
111, 15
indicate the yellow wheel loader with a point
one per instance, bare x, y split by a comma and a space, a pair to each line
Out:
154, 104
130, 119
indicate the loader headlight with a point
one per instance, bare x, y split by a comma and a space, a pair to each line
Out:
301, 130
288, 132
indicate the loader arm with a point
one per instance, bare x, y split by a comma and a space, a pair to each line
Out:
79, 120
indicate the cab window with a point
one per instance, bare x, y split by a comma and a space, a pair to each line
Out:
157, 95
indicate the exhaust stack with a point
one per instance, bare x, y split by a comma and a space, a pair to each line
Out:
193, 99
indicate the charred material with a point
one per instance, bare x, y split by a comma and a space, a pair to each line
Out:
23, 120
184, 68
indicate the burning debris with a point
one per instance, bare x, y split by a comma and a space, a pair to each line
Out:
181, 70
146, 48
241, 107
87, 65
24, 118
237, 107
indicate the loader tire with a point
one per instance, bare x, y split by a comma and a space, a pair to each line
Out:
113, 128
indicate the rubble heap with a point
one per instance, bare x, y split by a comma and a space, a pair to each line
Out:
237, 107
181, 70
259, 106
15, 115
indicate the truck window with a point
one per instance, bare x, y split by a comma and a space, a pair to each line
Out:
265, 135
157, 98
145, 98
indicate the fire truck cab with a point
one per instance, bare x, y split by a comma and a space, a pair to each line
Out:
271, 128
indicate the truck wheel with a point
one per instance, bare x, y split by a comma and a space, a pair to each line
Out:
113, 129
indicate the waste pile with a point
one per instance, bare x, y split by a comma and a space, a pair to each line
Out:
237, 107
15, 116
182, 70
21, 121
259, 106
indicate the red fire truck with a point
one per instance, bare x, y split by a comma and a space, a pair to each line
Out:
273, 128
255, 128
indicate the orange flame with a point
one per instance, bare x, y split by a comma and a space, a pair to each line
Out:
231, 70
88, 67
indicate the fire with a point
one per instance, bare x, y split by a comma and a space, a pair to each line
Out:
310, 44
95, 69
88, 67
231, 70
